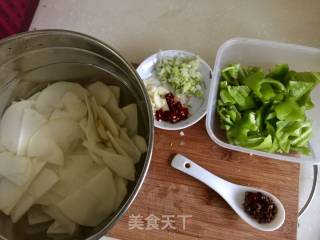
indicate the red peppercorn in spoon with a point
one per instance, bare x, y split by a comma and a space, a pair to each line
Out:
235, 195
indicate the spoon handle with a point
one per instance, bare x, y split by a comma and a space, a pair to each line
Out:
221, 186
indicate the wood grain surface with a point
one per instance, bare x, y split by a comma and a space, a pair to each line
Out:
167, 191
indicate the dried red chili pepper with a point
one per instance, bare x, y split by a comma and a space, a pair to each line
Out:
176, 112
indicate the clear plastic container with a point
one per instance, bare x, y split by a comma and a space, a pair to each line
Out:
253, 52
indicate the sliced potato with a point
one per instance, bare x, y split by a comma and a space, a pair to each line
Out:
130, 149
129, 146
75, 165
58, 113
53, 138
79, 169
110, 149
24, 204
55, 228
45, 149
108, 121
109, 145
67, 186
11, 124
94, 108
84, 126
131, 123
91, 131
124, 135
102, 131
36, 216
116, 145
121, 165
116, 92
121, 189
101, 92
50, 97
10, 193
2, 147
42, 184
105, 97
15, 168
31, 122
50, 198
69, 153
140, 143
34, 97
53, 211
91, 152
115, 112
95, 199
74, 106
65, 132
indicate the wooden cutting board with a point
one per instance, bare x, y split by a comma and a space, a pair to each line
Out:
166, 191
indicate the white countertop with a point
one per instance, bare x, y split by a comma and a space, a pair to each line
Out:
139, 28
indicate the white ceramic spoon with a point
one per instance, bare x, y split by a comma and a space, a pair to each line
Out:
232, 193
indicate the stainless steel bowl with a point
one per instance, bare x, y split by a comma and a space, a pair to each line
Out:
30, 61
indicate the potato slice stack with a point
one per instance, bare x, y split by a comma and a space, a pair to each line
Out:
67, 154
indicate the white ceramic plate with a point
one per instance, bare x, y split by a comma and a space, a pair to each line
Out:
198, 106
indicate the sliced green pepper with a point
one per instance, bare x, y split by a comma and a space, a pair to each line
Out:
267, 111
289, 110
